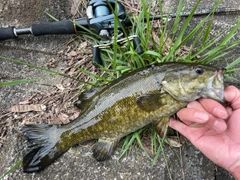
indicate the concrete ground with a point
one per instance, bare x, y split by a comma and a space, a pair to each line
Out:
182, 163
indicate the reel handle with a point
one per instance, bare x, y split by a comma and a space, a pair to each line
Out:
136, 43
97, 60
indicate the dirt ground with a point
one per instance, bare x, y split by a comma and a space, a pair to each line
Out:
58, 53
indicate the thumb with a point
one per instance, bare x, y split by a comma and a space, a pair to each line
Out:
232, 95
179, 126
192, 132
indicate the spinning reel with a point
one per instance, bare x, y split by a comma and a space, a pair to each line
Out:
101, 19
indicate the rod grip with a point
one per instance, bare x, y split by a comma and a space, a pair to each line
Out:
58, 27
7, 33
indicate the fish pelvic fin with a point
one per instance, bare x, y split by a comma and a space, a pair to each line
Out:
41, 146
104, 148
161, 126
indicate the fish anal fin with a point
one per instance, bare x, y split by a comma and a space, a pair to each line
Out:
104, 148
151, 102
161, 126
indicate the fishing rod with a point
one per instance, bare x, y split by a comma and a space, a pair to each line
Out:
100, 19
200, 12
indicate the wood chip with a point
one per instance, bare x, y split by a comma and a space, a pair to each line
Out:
83, 45
74, 116
75, 7
60, 87
64, 118
25, 102
173, 142
73, 53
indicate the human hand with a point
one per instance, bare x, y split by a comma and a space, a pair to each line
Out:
214, 129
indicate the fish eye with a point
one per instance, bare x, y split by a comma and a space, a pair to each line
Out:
199, 70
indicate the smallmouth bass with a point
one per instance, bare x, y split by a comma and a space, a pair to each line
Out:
148, 95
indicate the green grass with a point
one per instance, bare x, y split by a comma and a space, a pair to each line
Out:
120, 60
15, 166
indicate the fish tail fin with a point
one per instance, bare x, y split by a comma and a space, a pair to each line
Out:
41, 150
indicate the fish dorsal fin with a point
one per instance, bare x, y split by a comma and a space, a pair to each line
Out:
85, 98
151, 102
104, 148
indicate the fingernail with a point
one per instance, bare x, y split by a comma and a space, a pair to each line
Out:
220, 113
191, 105
201, 116
219, 125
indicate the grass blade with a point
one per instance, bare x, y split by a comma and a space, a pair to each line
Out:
51, 16
16, 82
128, 141
234, 63
12, 168
182, 31
207, 33
231, 34
42, 68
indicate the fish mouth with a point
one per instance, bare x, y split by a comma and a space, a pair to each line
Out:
216, 85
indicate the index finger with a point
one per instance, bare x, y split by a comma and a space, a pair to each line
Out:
232, 95
214, 108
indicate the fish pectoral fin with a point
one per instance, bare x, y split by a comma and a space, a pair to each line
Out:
151, 102
104, 148
161, 126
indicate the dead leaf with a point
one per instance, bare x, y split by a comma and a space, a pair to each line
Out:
27, 108
156, 38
